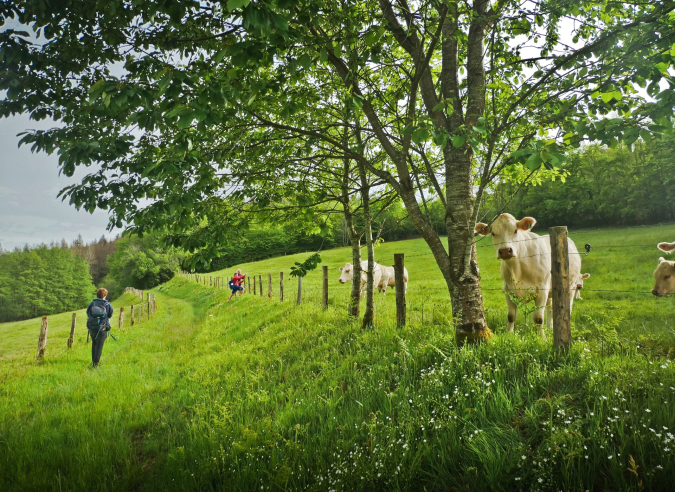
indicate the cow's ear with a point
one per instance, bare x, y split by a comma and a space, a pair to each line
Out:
526, 223
482, 229
340, 268
667, 247
661, 260
585, 276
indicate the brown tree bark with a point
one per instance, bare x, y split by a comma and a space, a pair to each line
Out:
369, 315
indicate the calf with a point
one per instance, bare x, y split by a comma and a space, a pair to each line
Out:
388, 279
526, 264
348, 274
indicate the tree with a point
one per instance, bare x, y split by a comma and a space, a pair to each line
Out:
453, 93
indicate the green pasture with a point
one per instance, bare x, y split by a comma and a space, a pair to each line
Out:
258, 394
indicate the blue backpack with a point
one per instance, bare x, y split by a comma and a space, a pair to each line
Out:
98, 315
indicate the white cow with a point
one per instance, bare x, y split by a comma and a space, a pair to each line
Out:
667, 247
526, 265
389, 279
348, 275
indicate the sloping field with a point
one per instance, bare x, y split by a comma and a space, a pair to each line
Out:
262, 395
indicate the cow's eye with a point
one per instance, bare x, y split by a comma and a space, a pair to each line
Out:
516, 231
667, 276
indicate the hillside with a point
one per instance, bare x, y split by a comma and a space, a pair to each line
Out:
262, 395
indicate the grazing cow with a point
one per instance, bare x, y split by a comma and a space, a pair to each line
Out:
526, 264
580, 285
388, 279
348, 275
664, 275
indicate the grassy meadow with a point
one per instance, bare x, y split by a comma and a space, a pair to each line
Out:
258, 394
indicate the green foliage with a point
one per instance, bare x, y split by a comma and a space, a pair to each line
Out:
302, 269
602, 187
142, 263
258, 393
42, 280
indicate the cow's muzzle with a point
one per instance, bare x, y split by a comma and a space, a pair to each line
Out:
657, 293
342, 281
505, 253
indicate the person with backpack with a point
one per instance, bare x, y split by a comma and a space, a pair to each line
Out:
99, 313
235, 283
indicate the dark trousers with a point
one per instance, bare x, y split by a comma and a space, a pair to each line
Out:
97, 343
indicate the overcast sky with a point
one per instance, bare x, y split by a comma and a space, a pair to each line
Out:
30, 212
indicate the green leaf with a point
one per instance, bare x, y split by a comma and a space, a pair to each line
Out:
440, 106
323, 55
533, 162
458, 141
607, 96
164, 82
492, 85
337, 51
408, 129
185, 121
175, 111
220, 55
97, 87
357, 102
420, 135
232, 73
305, 61
236, 4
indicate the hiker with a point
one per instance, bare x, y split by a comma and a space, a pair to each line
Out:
99, 313
235, 283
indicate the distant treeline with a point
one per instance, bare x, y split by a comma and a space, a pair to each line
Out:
41, 281
604, 187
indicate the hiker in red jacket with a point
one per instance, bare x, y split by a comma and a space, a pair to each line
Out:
235, 283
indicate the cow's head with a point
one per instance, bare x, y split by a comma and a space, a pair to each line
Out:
504, 230
580, 280
347, 273
666, 247
664, 275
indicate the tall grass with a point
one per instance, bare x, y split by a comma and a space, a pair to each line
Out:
256, 394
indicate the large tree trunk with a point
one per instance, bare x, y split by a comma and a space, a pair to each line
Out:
465, 289
369, 315
355, 296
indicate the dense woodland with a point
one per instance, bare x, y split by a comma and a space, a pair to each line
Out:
42, 280
602, 187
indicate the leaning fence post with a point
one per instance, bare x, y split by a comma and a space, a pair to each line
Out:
269, 285
299, 290
255, 292
260, 284
281, 286
42, 341
132, 315
400, 289
148, 306
121, 318
71, 339
560, 280
248, 279
325, 287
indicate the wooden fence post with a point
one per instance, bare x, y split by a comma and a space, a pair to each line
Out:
42, 341
400, 294
121, 318
281, 286
560, 282
299, 290
148, 306
254, 287
269, 285
248, 279
325, 287
260, 284
71, 339
132, 315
